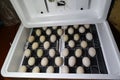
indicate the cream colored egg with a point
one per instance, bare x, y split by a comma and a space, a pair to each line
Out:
46, 45
22, 69
44, 28
59, 32
78, 52
54, 27
76, 26
65, 38
44, 61
81, 29
52, 53
31, 39
42, 38
89, 36
65, 52
53, 38
39, 53
87, 26
92, 52
70, 31
83, 44
71, 43
50, 69
65, 27
35, 45
72, 61
36, 69
58, 61
80, 70
76, 37
86, 61
48, 31
31, 61
64, 69
38, 32
27, 52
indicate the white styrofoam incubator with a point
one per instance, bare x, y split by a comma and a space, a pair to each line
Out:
38, 14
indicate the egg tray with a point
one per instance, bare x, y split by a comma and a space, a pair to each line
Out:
54, 46
46, 36
37, 63
97, 62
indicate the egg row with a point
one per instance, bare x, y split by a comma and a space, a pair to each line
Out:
86, 26
85, 61
78, 52
45, 61
76, 37
71, 44
36, 69
40, 53
42, 38
59, 61
65, 52
38, 32
50, 69
46, 45
48, 32
52, 27
81, 29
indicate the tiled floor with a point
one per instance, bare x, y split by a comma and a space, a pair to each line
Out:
7, 35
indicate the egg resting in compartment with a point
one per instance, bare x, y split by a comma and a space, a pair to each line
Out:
86, 61
78, 52
80, 70
58, 61
52, 53
71, 44
59, 32
48, 32
53, 38
36, 69
35, 45
39, 53
65, 38
65, 52
89, 36
44, 61
23, 68
31, 61
31, 39
27, 52
92, 51
42, 38
50, 69
83, 44
81, 29
64, 69
38, 32
46, 44
87, 26
72, 61
70, 31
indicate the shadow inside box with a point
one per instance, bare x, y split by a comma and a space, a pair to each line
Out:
116, 35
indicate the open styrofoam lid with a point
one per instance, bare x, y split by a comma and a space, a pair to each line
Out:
39, 13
